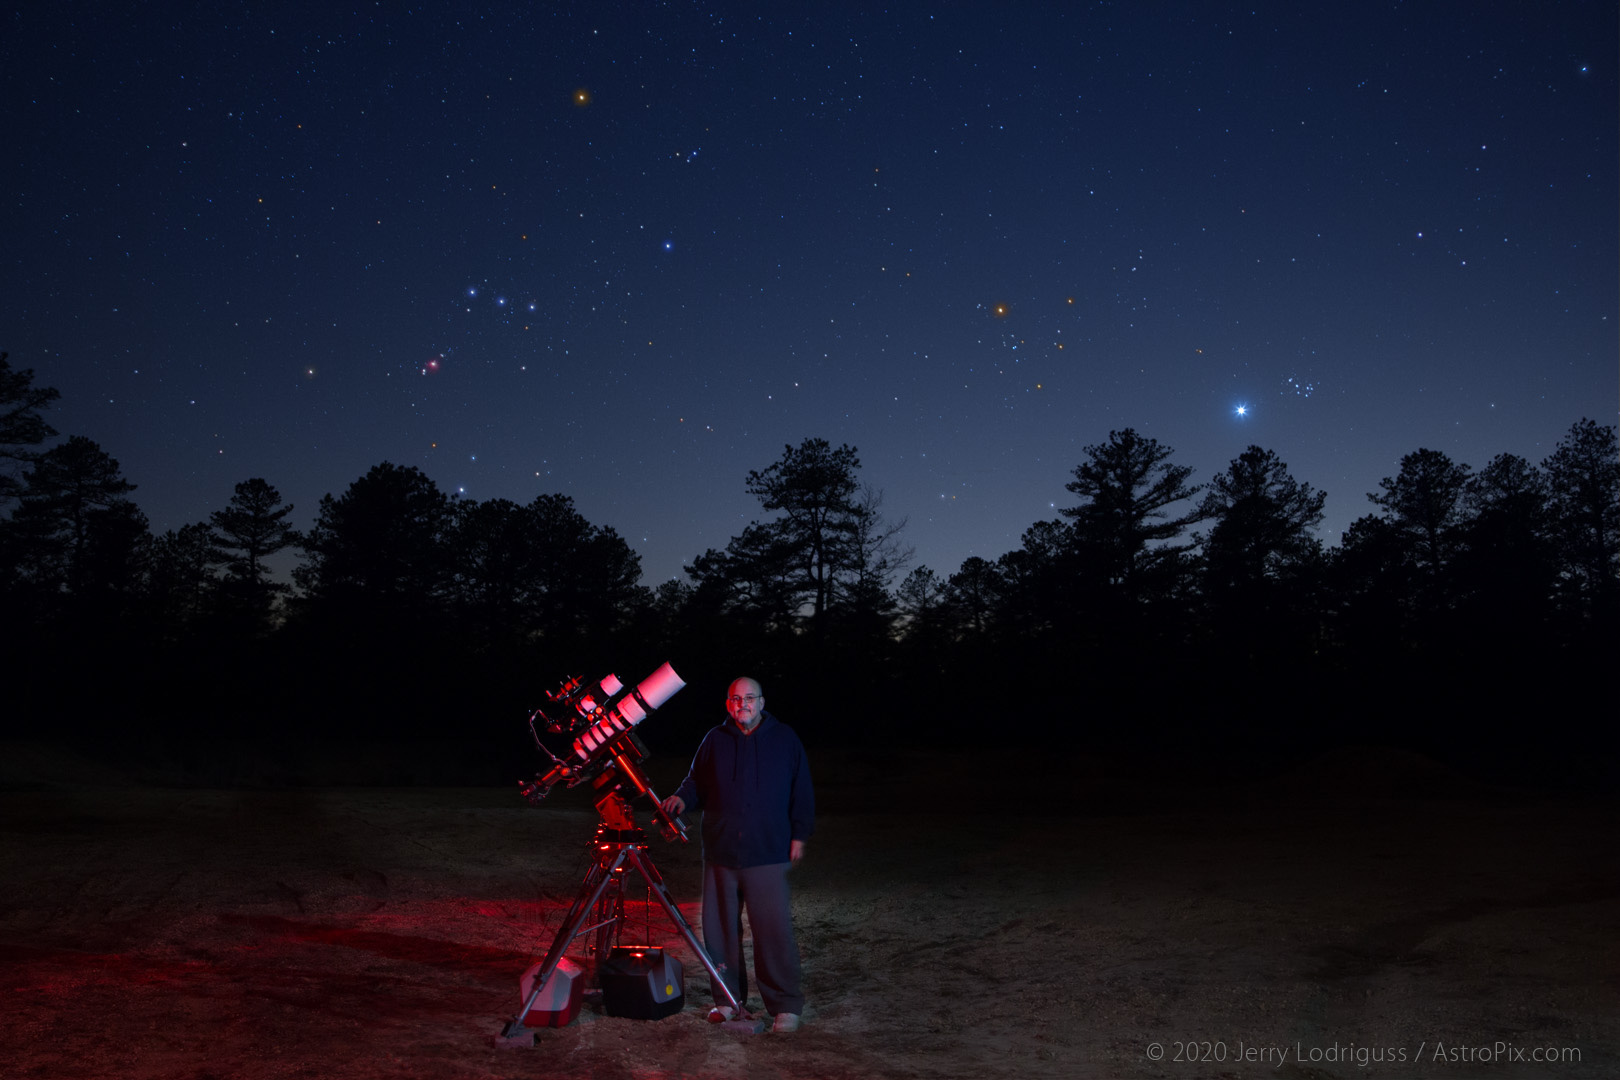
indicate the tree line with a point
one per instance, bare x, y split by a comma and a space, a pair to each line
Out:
1155, 612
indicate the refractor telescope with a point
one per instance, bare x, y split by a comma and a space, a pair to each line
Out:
602, 717
606, 750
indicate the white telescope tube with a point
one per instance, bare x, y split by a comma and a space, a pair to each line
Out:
654, 690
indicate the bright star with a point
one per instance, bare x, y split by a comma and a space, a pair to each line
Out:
1242, 410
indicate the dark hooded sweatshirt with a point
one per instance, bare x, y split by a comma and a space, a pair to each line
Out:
754, 791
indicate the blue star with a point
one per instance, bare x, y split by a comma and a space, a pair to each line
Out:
1241, 411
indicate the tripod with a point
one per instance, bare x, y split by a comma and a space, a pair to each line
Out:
617, 844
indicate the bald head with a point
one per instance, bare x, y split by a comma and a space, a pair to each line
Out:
745, 701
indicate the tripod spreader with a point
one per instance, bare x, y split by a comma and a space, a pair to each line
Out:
614, 849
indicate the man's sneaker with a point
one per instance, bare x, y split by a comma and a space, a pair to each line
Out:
785, 1023
721, 1013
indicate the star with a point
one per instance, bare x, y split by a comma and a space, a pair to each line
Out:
1242, 410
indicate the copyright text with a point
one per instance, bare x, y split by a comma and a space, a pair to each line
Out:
1362, 1056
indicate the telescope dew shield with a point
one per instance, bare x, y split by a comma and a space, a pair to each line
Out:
626, 709
610, 685
660, 686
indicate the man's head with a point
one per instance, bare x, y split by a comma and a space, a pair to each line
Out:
745, 701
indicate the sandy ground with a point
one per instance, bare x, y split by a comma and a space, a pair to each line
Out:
1363, 916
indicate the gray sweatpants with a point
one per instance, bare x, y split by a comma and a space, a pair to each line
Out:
763, 890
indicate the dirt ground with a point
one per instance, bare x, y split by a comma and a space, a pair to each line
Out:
1363, 915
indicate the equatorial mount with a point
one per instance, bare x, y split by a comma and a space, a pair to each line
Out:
608, 754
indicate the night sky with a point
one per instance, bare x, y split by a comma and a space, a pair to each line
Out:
628, 252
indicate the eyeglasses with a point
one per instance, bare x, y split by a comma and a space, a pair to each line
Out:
745, 699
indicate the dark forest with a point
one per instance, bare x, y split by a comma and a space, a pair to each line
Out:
1473, 615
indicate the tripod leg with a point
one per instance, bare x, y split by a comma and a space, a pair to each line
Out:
590, 891
610, 914
644, 864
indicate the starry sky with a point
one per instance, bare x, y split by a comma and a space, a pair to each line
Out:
627, 252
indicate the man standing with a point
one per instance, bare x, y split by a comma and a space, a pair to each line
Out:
751, 779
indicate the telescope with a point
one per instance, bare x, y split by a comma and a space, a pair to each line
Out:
607, 752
